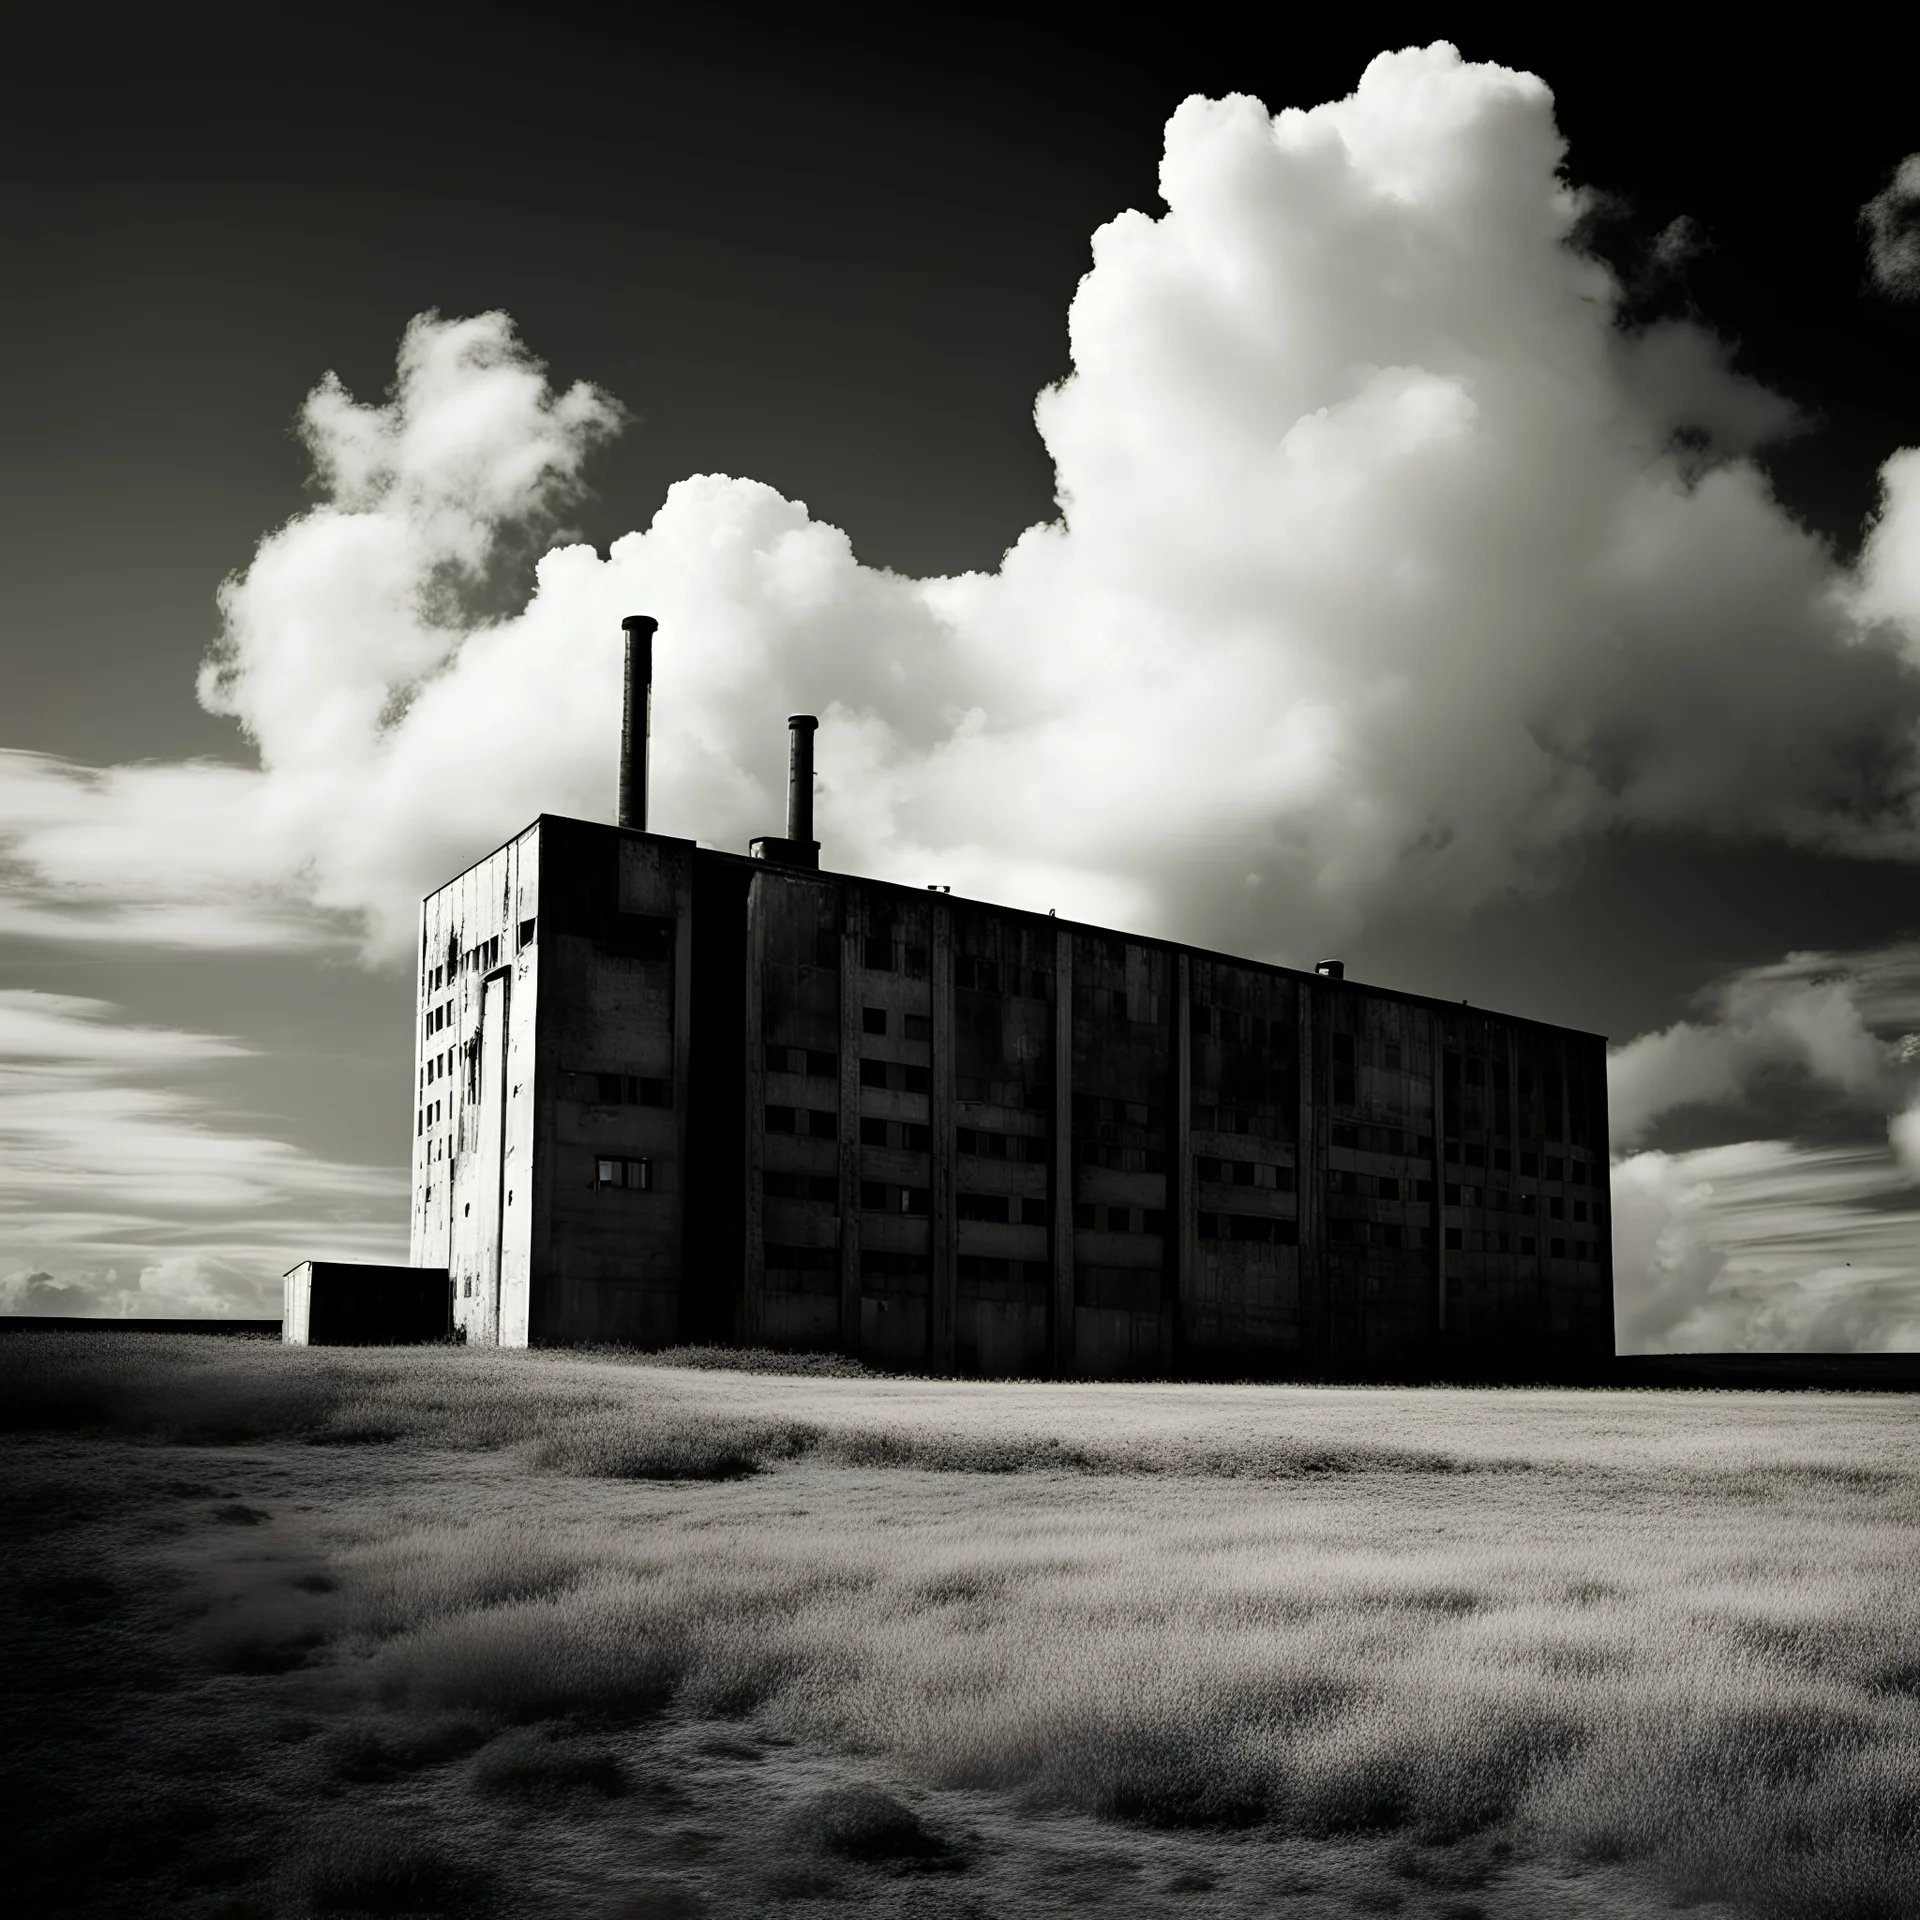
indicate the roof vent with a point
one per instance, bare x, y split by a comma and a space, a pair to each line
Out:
1331, 969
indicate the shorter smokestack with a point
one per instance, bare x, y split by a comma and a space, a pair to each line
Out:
799, 848
1332, 969
636, 720
801, 727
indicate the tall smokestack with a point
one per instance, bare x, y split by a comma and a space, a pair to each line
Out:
636, 720
801, 728
799, 848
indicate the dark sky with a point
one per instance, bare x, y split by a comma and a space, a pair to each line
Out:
829, 248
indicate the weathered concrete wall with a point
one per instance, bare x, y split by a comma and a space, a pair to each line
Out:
616, 962
475, 1049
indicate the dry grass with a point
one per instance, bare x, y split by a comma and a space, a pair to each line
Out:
532, 1633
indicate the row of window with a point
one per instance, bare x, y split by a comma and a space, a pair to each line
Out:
810, 1061
429, 1116
1116, 1003
1008, 1209
1120, 1219
1001, 1146
1499, 1200
1209, 1118
882, 1196
1244, 1173
914, 1136
1092, 1110
1377, 1186
634, 1174
1479, 1240
616, 1089
1471, 1153
803, 1120
1366, 1139
896, 1076
999, 976
1095, 1153
1222, 1023
784, 1259
909, 1026
883, 953
1378, 1233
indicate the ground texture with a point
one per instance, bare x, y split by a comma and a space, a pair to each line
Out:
439, 1632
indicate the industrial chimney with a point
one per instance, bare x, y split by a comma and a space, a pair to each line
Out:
799, 848
636, 720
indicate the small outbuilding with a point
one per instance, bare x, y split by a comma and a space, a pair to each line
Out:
343, 1303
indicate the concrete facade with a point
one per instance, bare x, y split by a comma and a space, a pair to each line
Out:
666, 1094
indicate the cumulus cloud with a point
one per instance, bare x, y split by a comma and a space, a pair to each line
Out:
1792, 1015
1892, 223
1388, 566
121, 1196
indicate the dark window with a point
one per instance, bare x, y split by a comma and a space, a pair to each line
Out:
918, 1026
1033, 1213
1557, 1249
873, 1196
1453, 1240
1391, 1054
887, 1265
916, 1136
1556, 1209
826, 950
985, 1206
1343, 1049
873, 1019
1340, 1229
1530, 1165
1423, 1189
1345, 1093
634, 1174
1526, 1243
1386, 1187
915, 1200
781, 1120
526, 933
1476, 1154
1345, 1134
1502, 1160
873, 1073
873, 1133
822, 1066
876, 953
916, 962
1553, 1167
1156, 1220
1119, 1219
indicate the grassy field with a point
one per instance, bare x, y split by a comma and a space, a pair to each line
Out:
447, 1632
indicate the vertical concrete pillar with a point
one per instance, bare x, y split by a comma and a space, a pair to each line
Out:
849, 1140
944, 1235
1183, 1218
1438, 1029
1060, 1159
684, 1181
1316, 1331
753, 1304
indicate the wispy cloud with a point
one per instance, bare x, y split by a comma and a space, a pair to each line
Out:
122, 1190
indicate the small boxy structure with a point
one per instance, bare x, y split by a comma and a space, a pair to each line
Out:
340, 1303
665, 1093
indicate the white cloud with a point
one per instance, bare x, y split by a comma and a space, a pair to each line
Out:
121, 1197
1892, 222
1382, 576
1765, 1247
1803, 1013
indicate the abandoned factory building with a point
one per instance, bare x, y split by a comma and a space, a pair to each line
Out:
667, 1094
